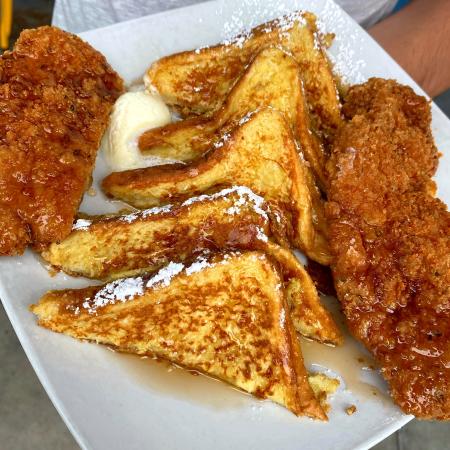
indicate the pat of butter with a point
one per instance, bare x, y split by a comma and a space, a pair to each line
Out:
133, 113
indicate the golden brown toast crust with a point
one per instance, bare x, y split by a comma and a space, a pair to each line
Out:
115, 247
272, 79
118, 246
260, 154
310, 317
197, 82
228, 318
56, 93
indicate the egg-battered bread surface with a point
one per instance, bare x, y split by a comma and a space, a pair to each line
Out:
226, 316
198, 81
259, 153
114, 247
273, 79
56, 93
391, 242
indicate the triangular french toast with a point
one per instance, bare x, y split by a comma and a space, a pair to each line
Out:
226, 317
118, 246
272, 79
197, 81
261, 154
232, 219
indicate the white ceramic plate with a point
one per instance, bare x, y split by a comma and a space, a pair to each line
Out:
112, 401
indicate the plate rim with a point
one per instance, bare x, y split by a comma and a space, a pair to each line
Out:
25, 340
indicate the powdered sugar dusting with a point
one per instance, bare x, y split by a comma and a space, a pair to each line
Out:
81, 224
84, 224
157, 210
282, 317
346, 44
317, 45
245, 196
126, 289
130, 218
248, 116
220, 143
198, 265
287, 21
238, 28
119, 290
233, 210
165, 275
346, 47
261, 235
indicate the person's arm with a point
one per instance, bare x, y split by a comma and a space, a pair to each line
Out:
418, 38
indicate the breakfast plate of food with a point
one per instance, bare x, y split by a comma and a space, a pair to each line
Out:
225, 226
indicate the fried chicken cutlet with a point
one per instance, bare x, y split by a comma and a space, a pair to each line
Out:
391, 242
56, 93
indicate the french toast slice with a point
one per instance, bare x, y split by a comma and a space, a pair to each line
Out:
323, 386
233, 219
197, 81
311, 319
261, 154
112, 247
227, 317
272, 79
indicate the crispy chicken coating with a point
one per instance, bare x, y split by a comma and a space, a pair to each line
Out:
56, 93
391, 241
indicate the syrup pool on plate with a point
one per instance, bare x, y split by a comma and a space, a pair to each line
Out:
350, 362
191, 386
